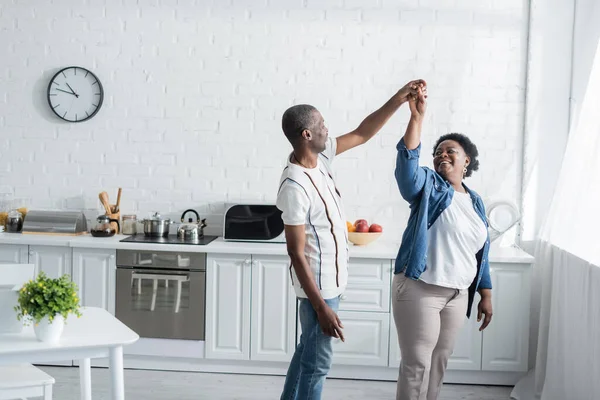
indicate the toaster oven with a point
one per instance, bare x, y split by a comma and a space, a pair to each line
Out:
253, 223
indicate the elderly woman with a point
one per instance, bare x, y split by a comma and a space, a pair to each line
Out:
443, 258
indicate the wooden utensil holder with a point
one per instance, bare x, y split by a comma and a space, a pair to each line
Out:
117, 216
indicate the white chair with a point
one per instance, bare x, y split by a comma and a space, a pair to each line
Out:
18, 382
12, 278
22, 380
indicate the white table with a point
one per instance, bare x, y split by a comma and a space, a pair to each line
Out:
96, 334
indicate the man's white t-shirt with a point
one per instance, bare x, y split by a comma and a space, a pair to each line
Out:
454, 239
309, 197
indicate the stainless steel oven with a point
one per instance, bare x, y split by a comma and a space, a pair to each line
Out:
162, 294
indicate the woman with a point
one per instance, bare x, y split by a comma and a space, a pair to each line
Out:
443, 258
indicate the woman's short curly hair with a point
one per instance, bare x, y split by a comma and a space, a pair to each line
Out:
467, 145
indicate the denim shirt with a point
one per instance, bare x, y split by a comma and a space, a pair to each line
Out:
428, 195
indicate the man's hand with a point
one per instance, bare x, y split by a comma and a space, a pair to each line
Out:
411, 89
417, 102
374, 122
485, 308
330, 323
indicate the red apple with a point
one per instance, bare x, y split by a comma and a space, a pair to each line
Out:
360, 221
362, 227
375, 228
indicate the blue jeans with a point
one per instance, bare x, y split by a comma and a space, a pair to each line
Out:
312, 359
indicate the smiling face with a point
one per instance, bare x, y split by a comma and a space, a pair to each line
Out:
450, 160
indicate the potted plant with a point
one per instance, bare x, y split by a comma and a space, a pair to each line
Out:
46, 303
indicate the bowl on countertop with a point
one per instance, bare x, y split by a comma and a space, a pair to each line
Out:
363, 238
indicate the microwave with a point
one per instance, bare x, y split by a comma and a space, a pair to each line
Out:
253, 223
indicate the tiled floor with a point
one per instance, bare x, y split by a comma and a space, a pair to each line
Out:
166, 385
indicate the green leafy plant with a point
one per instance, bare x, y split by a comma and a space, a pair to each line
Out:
47, 297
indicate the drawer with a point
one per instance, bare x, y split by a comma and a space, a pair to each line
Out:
365, 299
367, 337
369, 272
368, 289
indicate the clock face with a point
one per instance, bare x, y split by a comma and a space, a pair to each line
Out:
75, 94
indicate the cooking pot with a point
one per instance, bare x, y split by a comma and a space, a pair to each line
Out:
156, 226
190, 230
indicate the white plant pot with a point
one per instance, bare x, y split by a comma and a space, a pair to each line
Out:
49, 332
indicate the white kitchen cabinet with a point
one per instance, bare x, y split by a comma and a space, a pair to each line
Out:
394, 349
366, 337
14, 254
94, 272
273, 310
228, 278
467, 348
506, 339
55, 261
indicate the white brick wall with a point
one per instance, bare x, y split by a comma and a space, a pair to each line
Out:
195, 91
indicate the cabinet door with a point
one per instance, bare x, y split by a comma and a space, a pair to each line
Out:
228, 306
14, 254
506, 339
367, 338
467, 348
55, 261
273, 315
94, 272
394, 356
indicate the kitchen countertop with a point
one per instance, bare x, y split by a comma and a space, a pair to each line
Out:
381, 250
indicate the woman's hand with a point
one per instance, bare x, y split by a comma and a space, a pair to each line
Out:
411, 89
485, 308
417, 102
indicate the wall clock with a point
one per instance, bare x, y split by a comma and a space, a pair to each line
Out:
75, 94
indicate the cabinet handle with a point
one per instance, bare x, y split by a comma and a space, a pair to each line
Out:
343, 297
247, 262
31, 253
112, 256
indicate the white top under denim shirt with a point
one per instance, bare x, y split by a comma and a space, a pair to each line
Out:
454, 239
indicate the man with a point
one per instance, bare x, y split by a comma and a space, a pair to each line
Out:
316, 234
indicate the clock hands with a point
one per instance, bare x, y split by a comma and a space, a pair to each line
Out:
64, 91
72, 91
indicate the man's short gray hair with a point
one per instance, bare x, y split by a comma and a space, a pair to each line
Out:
296, 119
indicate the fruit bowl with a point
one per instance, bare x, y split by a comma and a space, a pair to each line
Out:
363, 238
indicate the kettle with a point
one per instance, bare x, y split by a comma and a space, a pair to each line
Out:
103, 227
191, 231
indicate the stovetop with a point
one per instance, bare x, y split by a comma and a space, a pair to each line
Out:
171, 239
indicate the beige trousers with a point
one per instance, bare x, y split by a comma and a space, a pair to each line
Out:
428, 319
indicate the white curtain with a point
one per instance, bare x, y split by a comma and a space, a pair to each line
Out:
568, 265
